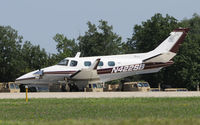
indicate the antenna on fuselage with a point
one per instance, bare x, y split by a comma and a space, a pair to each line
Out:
78, 54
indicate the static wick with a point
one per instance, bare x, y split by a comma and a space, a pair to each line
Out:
26, 93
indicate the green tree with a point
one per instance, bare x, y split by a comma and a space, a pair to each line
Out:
186, 69
66, 47
100, 40
33, 57
152, 32
10, 58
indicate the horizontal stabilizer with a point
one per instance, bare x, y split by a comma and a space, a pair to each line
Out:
164, 57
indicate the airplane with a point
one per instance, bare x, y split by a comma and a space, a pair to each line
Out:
84, 70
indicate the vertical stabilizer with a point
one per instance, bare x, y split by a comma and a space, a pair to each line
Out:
173, 42
168, 48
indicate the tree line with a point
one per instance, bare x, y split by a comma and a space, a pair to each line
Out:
18, 57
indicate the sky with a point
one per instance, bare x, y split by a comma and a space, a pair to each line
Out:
39, 21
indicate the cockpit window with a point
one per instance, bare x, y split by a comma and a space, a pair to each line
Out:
73, 63
64, 62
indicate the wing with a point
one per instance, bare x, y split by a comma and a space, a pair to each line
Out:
87, 74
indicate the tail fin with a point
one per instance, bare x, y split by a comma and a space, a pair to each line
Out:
168, 48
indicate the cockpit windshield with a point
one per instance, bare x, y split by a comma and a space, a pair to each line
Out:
64, 62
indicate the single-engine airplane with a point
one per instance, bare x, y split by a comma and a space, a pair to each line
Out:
82, 70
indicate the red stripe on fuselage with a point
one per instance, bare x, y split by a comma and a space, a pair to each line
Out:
157, 65
60, 72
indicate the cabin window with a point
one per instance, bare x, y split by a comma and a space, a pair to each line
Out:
90, 86
87, 63
94, 86
111, 63
146, 84
140, 85
16, 86
64, 62
100, 63
73, 63
12, 86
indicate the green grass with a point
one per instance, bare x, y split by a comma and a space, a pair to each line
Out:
138, 111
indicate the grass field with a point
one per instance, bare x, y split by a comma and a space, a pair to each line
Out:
120, 111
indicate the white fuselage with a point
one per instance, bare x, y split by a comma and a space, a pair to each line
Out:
109, 67
124, 65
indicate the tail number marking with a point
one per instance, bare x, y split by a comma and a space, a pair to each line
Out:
128, 68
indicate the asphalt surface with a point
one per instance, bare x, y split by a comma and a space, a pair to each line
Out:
97, 94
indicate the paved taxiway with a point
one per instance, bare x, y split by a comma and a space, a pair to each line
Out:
98, 94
